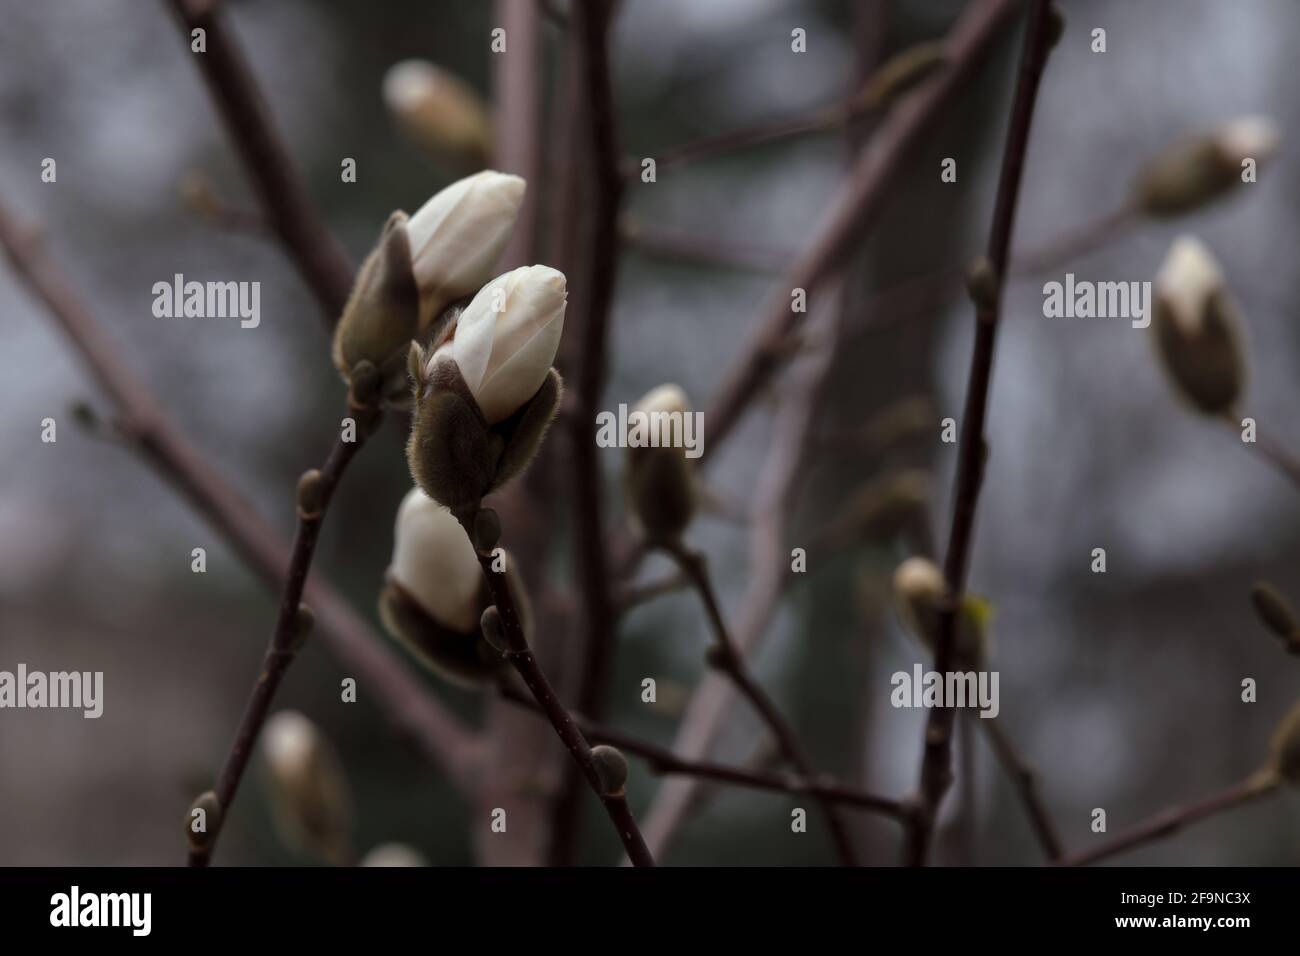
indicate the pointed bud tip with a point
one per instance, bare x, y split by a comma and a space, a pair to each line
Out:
611, 768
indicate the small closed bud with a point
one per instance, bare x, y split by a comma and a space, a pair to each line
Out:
381, 315
203, 821
439, 112
302, 626
1197, 328
434, 563
366, 383
659, 482
1201, 168
506, 339
311, 495
611, 768
493, 630
1285, 758
457, 237
394, 854
982, 284
435, 592
308, 792
921, 593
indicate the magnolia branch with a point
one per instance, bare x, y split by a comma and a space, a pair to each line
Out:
503, 629
292, 624
986, 285
280, 190
661, 760
1173, 819
146, 426
727, 658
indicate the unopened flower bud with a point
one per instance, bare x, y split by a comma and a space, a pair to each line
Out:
1201, 168
506, 339
611, 768
457, 237
1286, 748
1197, 328
203, 821
303, 623
308, 792
394, 854
311, 495
982, 284
435, 593
494, 631
921, 593
659, 481
439, 112
485, 399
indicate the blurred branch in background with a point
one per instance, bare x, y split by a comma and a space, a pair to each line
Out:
396, 691
280, 191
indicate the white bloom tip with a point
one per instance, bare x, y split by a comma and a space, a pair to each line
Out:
1249, 137
665, 398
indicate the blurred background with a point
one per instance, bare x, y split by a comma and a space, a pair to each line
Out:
1123, 688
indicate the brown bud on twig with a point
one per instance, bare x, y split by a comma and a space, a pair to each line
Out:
1201, 168
202, 821
1198, 329
311, 494
493, 631
659, 480
302, 627
982, 284
611, 767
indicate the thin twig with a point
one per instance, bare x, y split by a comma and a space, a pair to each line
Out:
663, 761
1173, 819
520, 656
285, 640
936, 764
146, 426
597, 615
726, 657
1025, 781
857, 203
280, 191
1276, 454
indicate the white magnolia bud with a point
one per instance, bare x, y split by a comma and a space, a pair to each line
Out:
1200, 168
659, 482
665, 398
457, 237
308, 791
394, 854
505, 340
1197, 327
920, 591
434, 563
439, 111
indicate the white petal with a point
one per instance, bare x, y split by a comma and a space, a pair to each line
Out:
435, 564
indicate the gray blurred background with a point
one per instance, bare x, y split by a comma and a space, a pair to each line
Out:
1123, 688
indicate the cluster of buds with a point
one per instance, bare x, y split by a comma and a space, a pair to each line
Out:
421, 267
435, 594
1202, 168
309, 795
922, 594
1198, 328
659, 481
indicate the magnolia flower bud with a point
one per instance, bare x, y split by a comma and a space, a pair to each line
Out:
1196, 170
1197, 328
442, 114
920, 592
659, 482
394, 854
506, 339
485, 399
611, 768
457, 237
419, 267
308, 793
1286, 748
436, 593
